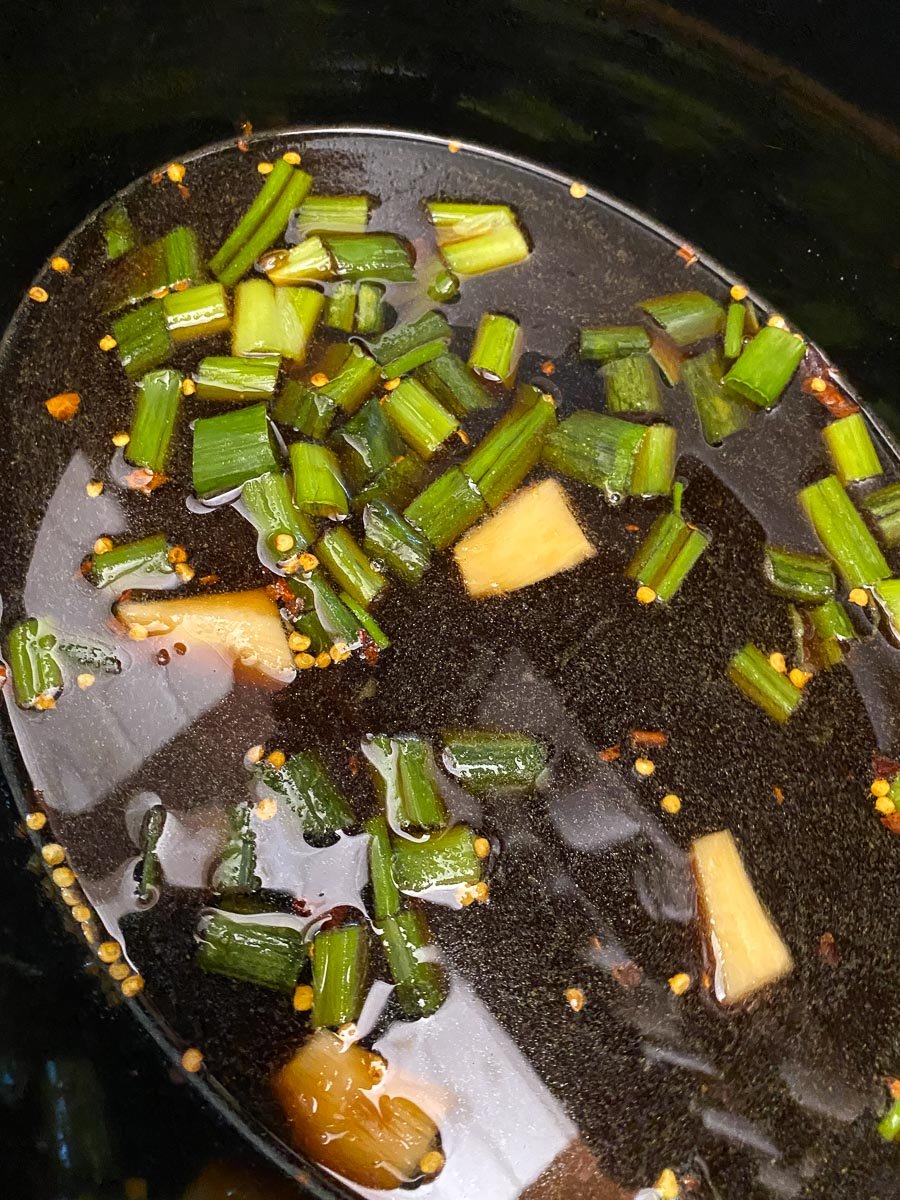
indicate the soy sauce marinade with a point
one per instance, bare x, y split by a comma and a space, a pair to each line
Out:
592, 905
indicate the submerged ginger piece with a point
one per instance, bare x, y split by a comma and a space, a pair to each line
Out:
747, 949
247, 626
340, 1117
531, 537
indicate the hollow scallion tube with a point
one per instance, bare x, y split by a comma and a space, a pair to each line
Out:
734, 329
443, 286
36, 675
196, 312
305, 409
395, 348
299, 310
147, 560
444, 859
150, 875
249, 222
765, 366
235, 869
319, 487
171, 260
271, 956
482, 760
340, 308
370, 318
821, 631
119, 235
887, 597
654, 464
333, 616
398, 484
308, 260
889, 1125
830, 620
421, 982
309, 790
370, 256
503, 458
263, 223
454, 384
497, 348
685, 316
609, 342
142, 339
334, 214
268, 504
632, 385
339, 963
232, 378
446, 508
667, 554
405, 777
366, 624
385, 893
231, 448
393, 541
769, 689
367, 444
354, 382
420, 419
852, 451
843, 533
156, 409
504, 245
720, 413
804, 578
883, 508
270, 320
339, 552
595, 449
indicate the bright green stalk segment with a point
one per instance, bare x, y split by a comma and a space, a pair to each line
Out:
252, 218
769, 689
442, 860
367, 444
307, 787
397, 484
268, 504
850, 446
231, 448
357, 378
339, 962
820, 631
271, 956
685, 316
455, 219
766, 365
887, 596
90, 654
36, 675
842, 532
405, 778
147, 559
233, 379
156, 409
340, 309
497, 348
369, 309
654, 463
150, 875
370, 256
396, 344
385, 893
332, 613
830, 620
319, 487
183, 260
119, 234
270, 320
334, 214
632, 385
308, 260
196, 312
393, 541
366, 623
720, 413
305, 409
170, 260
299, 310
142, 339
501, 461
339, 552
667, 554
596, 449
421, 982
235, 870
454, 384
883, 508
482, 760
502, 246
447, 508
444, 286
419, 418
806, 578
272, 224
608, 342
417, 357
734, 329
889, 1125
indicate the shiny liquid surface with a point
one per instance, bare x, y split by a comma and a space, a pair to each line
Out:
590, 885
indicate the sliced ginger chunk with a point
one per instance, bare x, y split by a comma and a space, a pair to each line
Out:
747, 949
531, 537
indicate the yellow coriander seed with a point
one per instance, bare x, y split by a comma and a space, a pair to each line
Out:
192, 1060
276, 759
885, 805
680, 983
176, 172
265, 168
859, 596
453, 147
70, 895
303, 998
177, 554
307, 561
481, 892
645, 595
119, 971
799, 678
298, 642
38, 294
671, 803
53, 854
392, 384
60, 265
574, 998
107, 342
188, 387
304, 661
121, 438
283, 542
64, 406
880, 787
132, 985
339, 652
63, 877
667, 1185
323, 660
267, 808
85, 680
818, 384
777, 321
81, 913
577, 190
644, 766
185, 572
482, 847
465, 896
318, 379
94, 488
109, 951
739, 292
36, 820
103, 545
431, 1163
777, 660
292, 157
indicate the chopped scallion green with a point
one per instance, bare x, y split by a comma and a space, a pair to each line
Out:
234, 379
319, 487
339, 963
231, 448
497, 348
482, 760
196, 312
608, 342
686, 316
156, 409
843, 533
145, 562
805, 578
852, 451
419, 418
446, 508
36, 675
654, 463
769, 689
268, 955
765, 366
339, 552
632, 385
596, 449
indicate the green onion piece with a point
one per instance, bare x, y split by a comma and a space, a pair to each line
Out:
806, 578
667, 357
397, 484
156, 409
632, 385
850, 446
503, 246
370, 256
820, 632
889, 1125
397, 344
36, 675
257, 329
406, 780
231, 378
258, 236
455, 220
442, 860
443, 287
842, 532
182, 256
89, 654
734, 329
119, 234
454, 384
308, 260
196, 312
883, 507
887, 596
419, 418
366, 445
666, 555
497, 348
268, 504
385, 893
307, 787
370, 315
337, 619
142, 339
150, 876
271, 956
596, 449
305, 409
447, 508
366, 624
393, 541
298, 310
769, 689
147, 559
483, 761
339, 552
319, 487
654, 463
720, 413
501, 461
354, 382
421, 981
252, 218
340, 308
170, 260
609, 342
231, 448
339, 962
685, 316
334, 214
235, 870
766, 365
417, 357
830, 620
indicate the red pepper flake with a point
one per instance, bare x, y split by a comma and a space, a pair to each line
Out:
836, 402
778, 793
687, 254
2, 674
180, 648
884, 768
163, 658
627, 975
632, 529
157, 177
368, 647
300, 908
892, 822
209, 580
282, 594
648, 737
353, 764
893, 1086
548, 367
828, 951
610, 754
184, 191
142, 479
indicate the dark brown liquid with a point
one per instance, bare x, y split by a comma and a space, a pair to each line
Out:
780, 1099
